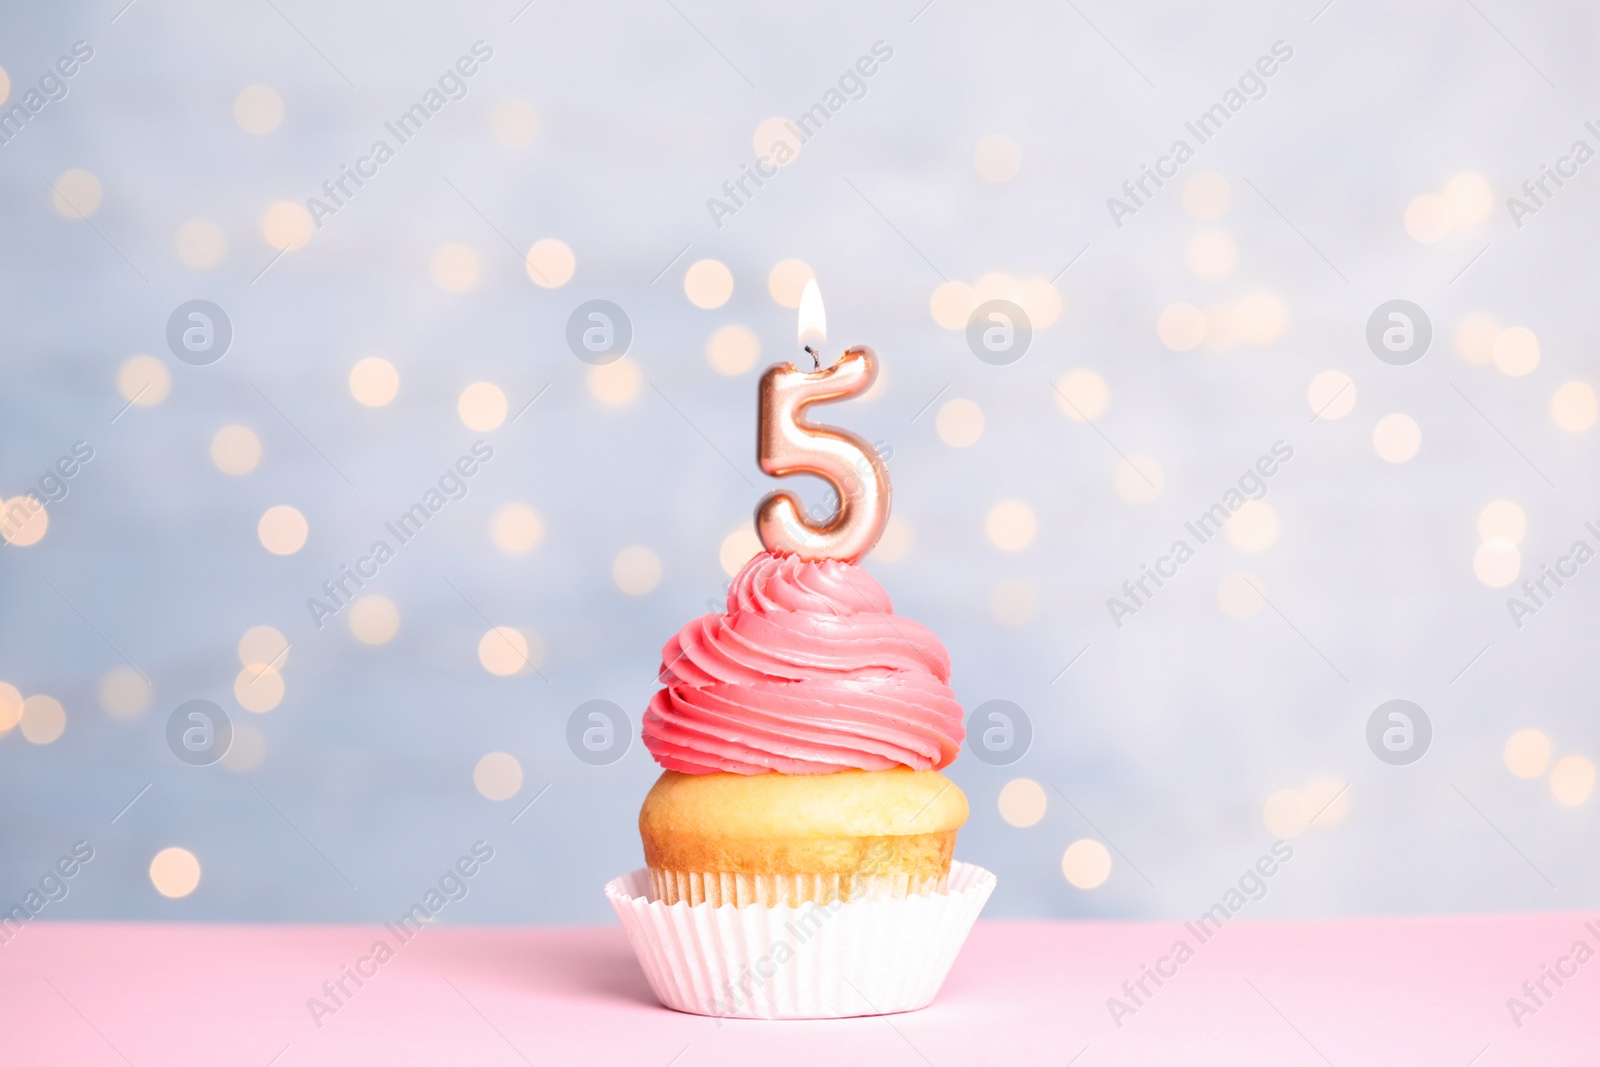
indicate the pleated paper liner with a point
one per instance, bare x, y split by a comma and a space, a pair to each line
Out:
806, 961
742, 890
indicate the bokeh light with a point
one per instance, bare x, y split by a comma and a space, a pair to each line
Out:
263, 646
1011, 526
1573, 406
616, 383
1468, 199
952, 304
1211, 255
1474, 339
636, 570
897, 542
1497, 562
1527, 753
1254, 527
1516, 351
43, 719
287, 226
1023, 802
1504, 519
1287, 813
738, 548
374, 619
175, 872
453, 267
506, 650
258, 109
1013, 603
1427, 218
76, 194
776, 141
1396, 438
997, 159
10, 705
959, 423
482, 406
1571, 779
235, 450
787, 281
1332, 395
124, 693
497, 776
1086, 863
550, 263
514, 123
1239, 595
1082, 395
708, 283
374, 381
1181, 326
200, 244
143, 381
1206, 195
282, 530
516, 529
733, 350
247, 751
258, 688
23, 521
1138, 479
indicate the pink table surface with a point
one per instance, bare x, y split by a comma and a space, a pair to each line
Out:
1345, 993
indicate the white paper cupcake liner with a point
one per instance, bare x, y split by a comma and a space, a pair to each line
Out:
742, 890
812, 961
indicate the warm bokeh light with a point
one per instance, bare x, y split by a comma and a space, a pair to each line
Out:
482, 406
1332, 395
897, 541
1082, 395
287, 226
200, 244
1037, 298
997, 159
788, 280
515, 123
708, 283
1254, 527
1023, 802
263, 646
1516, 351
1527, 753
776, 141
1013, 603
1497, 562
1474, 339
505, 650
738, 548
497, 776
1328, 800
374, 381
76, 194
1211, 255
10, 707
952, 304
258, 688
1287, 813
1086, 863
235, 450
123, 693
1138, 479
1468, 199
615, 383
1011, 526
1396, 438
1573, 406
23, 521
733, 350
1181, 326
1503, 519
143, 381
258, 109
454, 267
550, 263
1571, 779
43, 719
636, 570
1206, 195
959, 423
374, 619
1428, 218
175, 872
282, 530
516, 529
1239, 595
1260, 317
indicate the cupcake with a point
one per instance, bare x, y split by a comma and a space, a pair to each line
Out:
802, 733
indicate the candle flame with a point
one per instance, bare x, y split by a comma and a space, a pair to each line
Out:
813, 319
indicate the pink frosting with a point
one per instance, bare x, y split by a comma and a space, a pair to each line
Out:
808, 672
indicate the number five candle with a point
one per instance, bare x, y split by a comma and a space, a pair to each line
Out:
786, 443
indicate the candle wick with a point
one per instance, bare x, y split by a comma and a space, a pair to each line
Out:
816, 361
